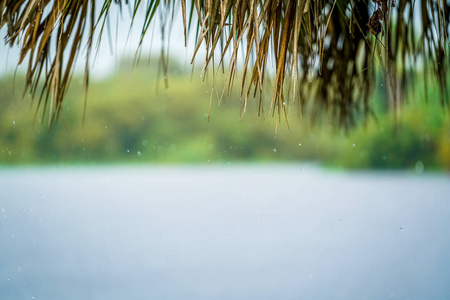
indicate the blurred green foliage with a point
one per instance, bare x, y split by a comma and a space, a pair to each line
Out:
131, 118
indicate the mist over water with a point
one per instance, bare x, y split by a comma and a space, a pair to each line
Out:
240, 232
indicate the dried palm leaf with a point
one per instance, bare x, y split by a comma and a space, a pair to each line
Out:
329, 51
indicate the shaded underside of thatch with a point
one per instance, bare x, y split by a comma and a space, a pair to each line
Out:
328, 53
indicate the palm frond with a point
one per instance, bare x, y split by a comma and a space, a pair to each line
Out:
327, 53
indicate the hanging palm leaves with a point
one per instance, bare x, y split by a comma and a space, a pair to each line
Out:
326, 52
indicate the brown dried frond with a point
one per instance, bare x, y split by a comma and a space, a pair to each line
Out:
374, 23
43, 26
321, 46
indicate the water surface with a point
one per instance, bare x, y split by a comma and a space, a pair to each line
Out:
240, 232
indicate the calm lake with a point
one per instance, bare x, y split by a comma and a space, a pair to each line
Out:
238, 232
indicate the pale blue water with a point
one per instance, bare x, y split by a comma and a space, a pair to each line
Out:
272, 232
